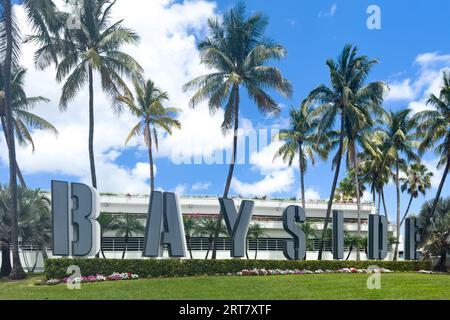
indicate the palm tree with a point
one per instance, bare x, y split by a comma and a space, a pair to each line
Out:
34, 221
375, 169
255, 231
108, 222
352, 240
94, 47
399, 141
301, 139
416, 182
190, 229
40, 15
354, 103
347, 189
434, 229
149, 108
23, 118
238, 51
127, 226
311, 232
208, 227
9, 51
434, 125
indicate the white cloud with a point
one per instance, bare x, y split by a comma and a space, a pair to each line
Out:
437, 174
330, 13
200, 186
180, 189
428, 81
276, 182
401, 90
311, 193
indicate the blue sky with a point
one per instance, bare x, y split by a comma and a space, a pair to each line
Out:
410, 48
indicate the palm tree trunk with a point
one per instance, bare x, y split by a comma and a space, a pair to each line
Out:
349, 251
44, 252
441, 186
125, 247
379, 203
209, 247
397, 186
188, 240
91, 129
407, 210
6, 261
35, 260
256, 251
302, 175
333, 188
19, 173
101, 246
358, 198
150, 159
17, 270
384, 203
231, 169
442, 264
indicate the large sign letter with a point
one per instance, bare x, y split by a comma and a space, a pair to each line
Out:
237, 224
294, 249
338, 235
411, 238
164, 226
75, 208
378, 234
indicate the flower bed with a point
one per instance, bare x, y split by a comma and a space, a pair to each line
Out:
277, 272
116, 276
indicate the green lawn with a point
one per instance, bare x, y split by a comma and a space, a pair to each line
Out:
324, 286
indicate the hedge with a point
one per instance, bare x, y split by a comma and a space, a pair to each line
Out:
56, 268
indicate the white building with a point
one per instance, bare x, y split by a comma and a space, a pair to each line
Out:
268, 213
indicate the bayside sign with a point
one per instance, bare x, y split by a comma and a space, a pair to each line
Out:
76, 232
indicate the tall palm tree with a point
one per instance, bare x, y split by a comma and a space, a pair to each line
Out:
23, 118
108, 222
238, 51
434, 125
399, 142
354, 103
375, 170
153, 116
94, 47
417, 181
127, 226
434, 229
190, 229
40, 16
255, 231
302, 140
10, 51
208, 227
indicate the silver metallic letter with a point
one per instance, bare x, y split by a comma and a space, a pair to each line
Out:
60, 220
164, 226
237, 224
294, 249
411, 238
378, 235
75, 209
338, 235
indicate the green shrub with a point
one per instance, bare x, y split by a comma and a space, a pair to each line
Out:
56, 268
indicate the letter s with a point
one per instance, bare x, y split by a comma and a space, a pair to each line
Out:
294, 249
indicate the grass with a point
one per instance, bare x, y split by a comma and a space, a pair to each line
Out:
394, 286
